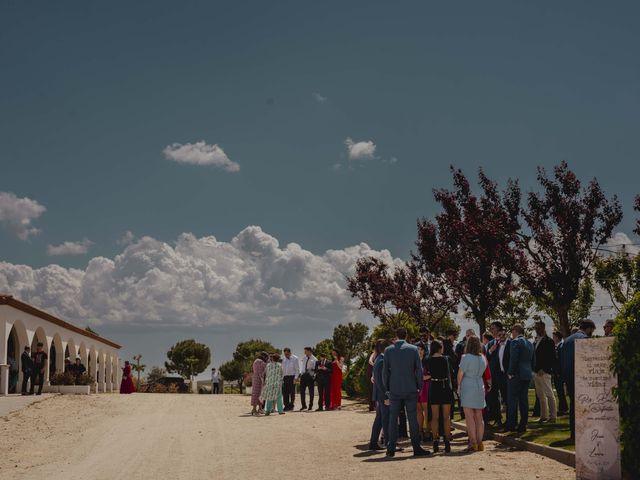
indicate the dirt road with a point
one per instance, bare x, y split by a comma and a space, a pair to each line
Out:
164, 436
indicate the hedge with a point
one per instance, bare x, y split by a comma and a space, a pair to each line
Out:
626, 365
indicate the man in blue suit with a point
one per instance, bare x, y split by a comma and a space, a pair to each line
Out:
520, 373
381, 422
402, 380
568, 362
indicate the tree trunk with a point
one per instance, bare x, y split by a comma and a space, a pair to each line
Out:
563, 318
482, 323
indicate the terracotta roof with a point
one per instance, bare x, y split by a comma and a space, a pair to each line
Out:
25, 307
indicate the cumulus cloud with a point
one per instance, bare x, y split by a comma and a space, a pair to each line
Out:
200, 153
16, 214
127, 238
360, 150
250, 280
319, 98
70, 248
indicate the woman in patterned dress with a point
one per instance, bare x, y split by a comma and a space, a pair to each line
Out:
272, 390
259, 366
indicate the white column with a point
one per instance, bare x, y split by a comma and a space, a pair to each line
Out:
60, 357
118, 374
102, 382
4, 368
94, 371
107, 377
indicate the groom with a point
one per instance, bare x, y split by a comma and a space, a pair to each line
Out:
402, 380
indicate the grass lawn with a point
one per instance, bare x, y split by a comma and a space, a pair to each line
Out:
552, 434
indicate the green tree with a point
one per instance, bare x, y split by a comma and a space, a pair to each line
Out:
445, 324
187, 358
389, 327
351, 340
155, 374
138, 367
619, 276
323, 347
247, 351
233, 370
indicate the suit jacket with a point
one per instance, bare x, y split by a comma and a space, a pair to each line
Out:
506, 356
26, 364
557, 366
402, 369
567, 359
494, 358
378, 385
522, 359
545, 355
323, 375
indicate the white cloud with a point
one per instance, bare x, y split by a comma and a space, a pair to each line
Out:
251, 280
70, 248
127, 238
360, 150
200, 153
17, 214
620, 241
319, 98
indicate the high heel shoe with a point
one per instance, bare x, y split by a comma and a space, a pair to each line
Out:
447, 446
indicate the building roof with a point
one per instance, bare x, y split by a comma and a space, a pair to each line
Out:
25, 307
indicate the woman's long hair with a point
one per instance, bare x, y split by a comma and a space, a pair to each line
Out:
473, 346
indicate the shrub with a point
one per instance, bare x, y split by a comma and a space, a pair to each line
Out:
158, 388
356, 382
84, 379
60, 378
626, 365
173, 388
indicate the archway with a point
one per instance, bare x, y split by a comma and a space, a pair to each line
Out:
21, 339
56, 355
13, 355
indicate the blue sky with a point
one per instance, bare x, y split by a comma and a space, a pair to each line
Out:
91, 94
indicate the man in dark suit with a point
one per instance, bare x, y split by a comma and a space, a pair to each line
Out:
563, 407
323, 379
381, 422
545, 358
586, 329
26, 365
498, 376
520, 373
402, 380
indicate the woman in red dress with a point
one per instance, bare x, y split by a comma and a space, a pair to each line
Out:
336, 381
127, 386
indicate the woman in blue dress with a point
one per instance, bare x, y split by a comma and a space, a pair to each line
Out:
471, 391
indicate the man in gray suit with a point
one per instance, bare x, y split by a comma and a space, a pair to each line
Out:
520, 373
402, 380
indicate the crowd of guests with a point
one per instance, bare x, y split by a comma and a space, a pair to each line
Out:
420, 381
274, 379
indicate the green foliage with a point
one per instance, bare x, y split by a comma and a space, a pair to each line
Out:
138, 368
60, 378
581, 306
85, 379
446, 323
351, 340
155, 374
187, 358
388, 328
247, 351
233, 370
626, 365
619, 276
356, 382
518, 307
91, 330
323, 347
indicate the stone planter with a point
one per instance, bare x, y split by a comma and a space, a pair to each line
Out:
74, 389
51, 388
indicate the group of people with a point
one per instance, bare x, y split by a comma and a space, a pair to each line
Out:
420, 381
274, 381
33, 365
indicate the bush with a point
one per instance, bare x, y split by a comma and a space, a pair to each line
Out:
356, 382
85, 379
60, 378
158, 388
626, 365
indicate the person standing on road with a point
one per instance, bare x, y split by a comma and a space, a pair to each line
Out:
545, 358
257, 380
215, 382
563, 407
521, 363
26, 365
323, 377
307, 378
402, 379
272, 390
472, 391
291, 371
39, 358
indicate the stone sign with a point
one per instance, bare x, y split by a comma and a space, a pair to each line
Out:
597, 415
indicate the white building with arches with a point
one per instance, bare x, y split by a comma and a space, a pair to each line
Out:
22, 324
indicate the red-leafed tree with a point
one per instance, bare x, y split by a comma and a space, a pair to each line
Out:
566, 226
385, 290
471, 246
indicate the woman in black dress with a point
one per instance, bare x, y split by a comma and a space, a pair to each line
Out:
440, 394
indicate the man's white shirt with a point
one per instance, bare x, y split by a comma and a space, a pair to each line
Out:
215, 377
291, 366
309, 364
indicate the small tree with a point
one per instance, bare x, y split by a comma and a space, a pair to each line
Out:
188, 358
323, 347
155, 374
247, 351
233, 370
619, 276
351, 340
567, 225
138, 367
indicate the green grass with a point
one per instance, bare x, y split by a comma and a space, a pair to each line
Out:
551, 434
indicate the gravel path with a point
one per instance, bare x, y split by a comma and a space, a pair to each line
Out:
164, 436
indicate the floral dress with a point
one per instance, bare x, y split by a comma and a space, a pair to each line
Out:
256, 381
273, 382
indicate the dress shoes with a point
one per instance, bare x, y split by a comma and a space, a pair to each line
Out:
390, 454
421, 453
376, 447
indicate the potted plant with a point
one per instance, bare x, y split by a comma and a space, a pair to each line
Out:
80, 385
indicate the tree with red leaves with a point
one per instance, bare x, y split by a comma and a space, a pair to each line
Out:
567, 224
472, 245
